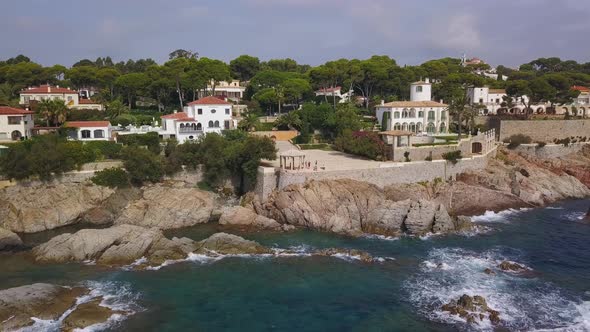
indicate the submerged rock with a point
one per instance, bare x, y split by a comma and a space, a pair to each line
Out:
43, 301
87, 314
167, 207
352, 253
473, 309
228, 244
512, 267
9, 240
489, 271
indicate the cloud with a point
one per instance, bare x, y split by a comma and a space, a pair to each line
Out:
457, 32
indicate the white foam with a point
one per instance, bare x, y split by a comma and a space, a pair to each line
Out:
575, 216
380, 237
502, 216
523, 303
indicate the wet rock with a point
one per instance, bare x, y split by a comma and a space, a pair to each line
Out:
353, 253
87, 314
420, 217
168, 207
489, 271
241, 216
512, 267
43, 301
463, 223
473, 309
9, 240
228, 244
443, 223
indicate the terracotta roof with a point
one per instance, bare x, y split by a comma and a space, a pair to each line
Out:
209, 100
47, 89
88, 101
332, 89
426, 103
497, 91
177, 116
7, 110
396, 133
580, 88
81, 124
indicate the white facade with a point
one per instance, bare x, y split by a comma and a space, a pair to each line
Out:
335, 92
15, 123
90, 130
233, 90
48, 92
419, 115
206, 115
491, 101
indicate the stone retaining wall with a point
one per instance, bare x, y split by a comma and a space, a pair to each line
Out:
541, 130
550, 151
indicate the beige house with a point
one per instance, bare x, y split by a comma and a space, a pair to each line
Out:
15, 123
233, 90
70, 97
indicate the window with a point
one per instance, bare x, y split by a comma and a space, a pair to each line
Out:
396, 115
412, 113
85, 133
404, 113
443, 115
430, 115
213, 111
419, 88
199, 126
210, 124
99, 133
226, 124
216, 124
14, 120
227, 111
69, 98
481, 100
27, 99
200, 111
421, 114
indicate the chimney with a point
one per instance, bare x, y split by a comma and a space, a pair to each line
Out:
441, 101
49, 88
57, 86
382, 102
427, 80
175, 111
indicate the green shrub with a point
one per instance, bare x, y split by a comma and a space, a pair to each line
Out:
428, 158
115, 177
151, 140
105, 149
452, 156
515, 141
407, 156
142, 165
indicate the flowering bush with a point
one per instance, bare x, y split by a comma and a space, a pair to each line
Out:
362, 143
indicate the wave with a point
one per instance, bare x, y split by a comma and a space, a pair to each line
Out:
575, 216
523, 303
116, 296
502, 216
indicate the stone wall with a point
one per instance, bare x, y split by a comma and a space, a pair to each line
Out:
388, 174
279, 135
542, 130
550, 151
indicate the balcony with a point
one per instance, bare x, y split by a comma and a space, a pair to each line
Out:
190, 131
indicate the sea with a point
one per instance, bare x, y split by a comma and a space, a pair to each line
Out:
402, 291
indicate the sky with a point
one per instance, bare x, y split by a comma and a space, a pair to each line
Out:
508, 32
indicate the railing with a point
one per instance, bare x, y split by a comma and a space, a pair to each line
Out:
189, 131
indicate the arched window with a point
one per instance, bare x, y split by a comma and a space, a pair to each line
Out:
443, 128
412, 127
420, 114
194, 126
431, 115
412, 113
405, 113
396, 115
405, 126
430, 128
210, 124
216, 124
199, 126
99, 133
419, 88
419, 127
397, 127
85, 133
181, 125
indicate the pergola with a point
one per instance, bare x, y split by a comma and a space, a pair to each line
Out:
292, 160
396, 134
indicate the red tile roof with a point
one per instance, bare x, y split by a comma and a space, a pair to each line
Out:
7, 110
47, 89
177, 116
210, 101
580, 88
332, 89
80, 124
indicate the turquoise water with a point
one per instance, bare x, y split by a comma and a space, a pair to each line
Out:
338, 294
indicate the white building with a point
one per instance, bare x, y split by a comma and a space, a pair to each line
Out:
419, 115
15, 123
90, 130
491, 101
233, 90
206, 115
70, 97
335, 92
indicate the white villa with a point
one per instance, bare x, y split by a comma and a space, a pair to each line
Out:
206, 115
70, 97
335, 92
90, 130
492, 99
15, 123
419, 115
233, 90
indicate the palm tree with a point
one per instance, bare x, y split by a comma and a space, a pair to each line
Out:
289, 120
54, 111
249, 122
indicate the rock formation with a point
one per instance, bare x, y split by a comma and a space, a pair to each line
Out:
168, 207
36, 208
473, 309
228, 244
353, 207
9, 240
87, 314
241, 216
512, 267
43, 301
